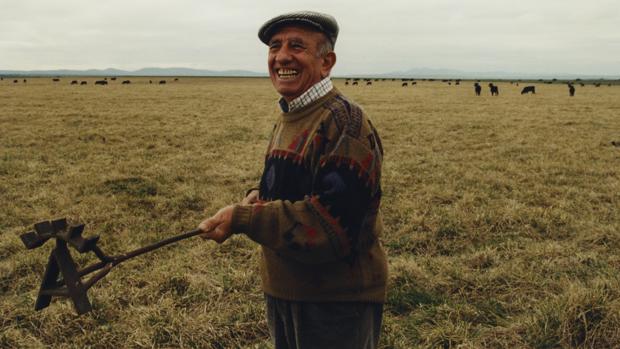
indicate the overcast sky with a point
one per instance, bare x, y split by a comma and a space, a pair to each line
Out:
521, 36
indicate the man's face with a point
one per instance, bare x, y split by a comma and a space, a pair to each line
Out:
294, 62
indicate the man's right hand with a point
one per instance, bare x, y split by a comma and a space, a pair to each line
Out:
251, 198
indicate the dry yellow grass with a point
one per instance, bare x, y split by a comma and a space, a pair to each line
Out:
501, 213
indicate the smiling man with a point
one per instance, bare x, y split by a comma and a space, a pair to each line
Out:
316, 211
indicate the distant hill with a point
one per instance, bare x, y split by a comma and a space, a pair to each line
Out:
410, 73
139, 72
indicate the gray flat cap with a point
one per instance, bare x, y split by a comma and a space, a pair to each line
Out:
320, 21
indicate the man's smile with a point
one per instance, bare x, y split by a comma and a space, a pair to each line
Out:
286, 74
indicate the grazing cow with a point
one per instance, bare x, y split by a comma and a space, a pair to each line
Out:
55, 79
368, 83
494, 89
528, 89
414, 83
150, 81
477, 88
15, 81
74, 82
346, 82
24, 81
113, 79
161, 82
582, 84
354, 82
126, 82
176, 79
598, 84
571, 89
83, 83
101, 82
404, 84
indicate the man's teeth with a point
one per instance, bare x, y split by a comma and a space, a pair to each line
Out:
287, 73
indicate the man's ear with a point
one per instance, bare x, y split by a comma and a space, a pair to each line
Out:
329, 60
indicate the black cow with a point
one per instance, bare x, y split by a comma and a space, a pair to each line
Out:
354, 82
571, 89
150, 81
368, 83
101, 82
477, 88
126, 82
528, 89
346, 82
83, 83
15, 81
74, 82
161, 82
494, 89
404, 84
113, 79
55, 79
24, 81
176, 79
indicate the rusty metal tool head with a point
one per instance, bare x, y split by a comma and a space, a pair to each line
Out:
62, 278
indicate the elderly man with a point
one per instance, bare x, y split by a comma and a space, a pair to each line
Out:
316, 212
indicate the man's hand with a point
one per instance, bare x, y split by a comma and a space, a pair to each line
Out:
251, 198
217, 228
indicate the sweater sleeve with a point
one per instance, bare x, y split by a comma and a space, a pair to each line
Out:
328, 224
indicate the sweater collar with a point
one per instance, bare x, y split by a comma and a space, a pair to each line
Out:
315, 92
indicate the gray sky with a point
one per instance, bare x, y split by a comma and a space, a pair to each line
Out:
522, 36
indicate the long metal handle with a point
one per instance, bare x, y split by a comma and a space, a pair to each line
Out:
120, 258
111, 261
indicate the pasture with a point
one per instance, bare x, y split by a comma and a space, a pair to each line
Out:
501, 213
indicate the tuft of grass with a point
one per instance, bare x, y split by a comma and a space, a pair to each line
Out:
133, 186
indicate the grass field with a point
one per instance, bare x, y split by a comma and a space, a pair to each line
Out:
502, 213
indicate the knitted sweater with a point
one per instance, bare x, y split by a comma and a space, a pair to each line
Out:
318, 218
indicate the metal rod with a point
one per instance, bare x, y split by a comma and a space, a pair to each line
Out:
119, 259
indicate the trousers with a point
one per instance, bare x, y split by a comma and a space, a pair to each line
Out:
307, 325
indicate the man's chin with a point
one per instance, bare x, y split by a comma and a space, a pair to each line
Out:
288, 93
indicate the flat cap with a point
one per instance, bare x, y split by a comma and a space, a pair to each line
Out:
320, 21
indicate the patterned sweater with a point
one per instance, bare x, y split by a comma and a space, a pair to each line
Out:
318, 218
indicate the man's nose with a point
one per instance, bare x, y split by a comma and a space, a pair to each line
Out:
283, 55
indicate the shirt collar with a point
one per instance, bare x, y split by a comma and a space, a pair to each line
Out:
315, 92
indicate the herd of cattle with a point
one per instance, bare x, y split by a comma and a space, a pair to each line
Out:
97, 82
493, 89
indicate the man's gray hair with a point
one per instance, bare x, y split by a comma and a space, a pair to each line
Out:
325, 46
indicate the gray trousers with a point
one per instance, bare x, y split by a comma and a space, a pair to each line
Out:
308, 325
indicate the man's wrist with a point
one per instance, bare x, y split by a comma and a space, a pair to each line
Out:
241, 219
